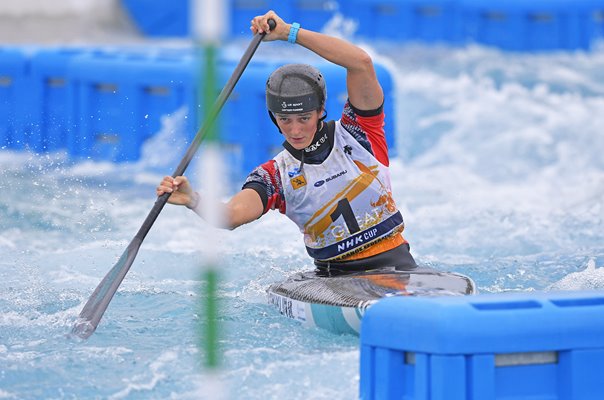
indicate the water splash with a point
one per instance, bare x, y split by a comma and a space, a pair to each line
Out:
590, 278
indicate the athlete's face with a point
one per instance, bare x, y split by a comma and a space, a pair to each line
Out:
299, 129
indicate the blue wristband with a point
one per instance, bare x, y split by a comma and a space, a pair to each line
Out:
293, 33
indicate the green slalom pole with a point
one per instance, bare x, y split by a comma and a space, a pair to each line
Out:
213, 172
211, 332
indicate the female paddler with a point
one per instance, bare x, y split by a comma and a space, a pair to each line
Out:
332, 177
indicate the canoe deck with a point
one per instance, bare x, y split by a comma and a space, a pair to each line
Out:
337, 303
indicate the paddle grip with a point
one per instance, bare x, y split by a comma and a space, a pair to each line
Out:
272, 24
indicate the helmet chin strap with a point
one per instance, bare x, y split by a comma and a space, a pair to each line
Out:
270, 114
320, 121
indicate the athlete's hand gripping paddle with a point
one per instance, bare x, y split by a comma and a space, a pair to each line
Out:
98, 302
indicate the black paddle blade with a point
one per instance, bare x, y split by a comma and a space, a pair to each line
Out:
98, 302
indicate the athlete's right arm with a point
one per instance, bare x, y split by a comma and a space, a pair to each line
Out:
364, 89
246, 206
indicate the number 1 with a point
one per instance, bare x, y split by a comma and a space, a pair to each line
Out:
343, 209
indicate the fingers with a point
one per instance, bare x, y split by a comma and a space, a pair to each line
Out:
167, 185
260, 23
179, 184
181, 181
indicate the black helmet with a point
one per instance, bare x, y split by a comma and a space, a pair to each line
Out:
295, 88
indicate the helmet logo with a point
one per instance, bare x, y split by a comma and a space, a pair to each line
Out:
292, 107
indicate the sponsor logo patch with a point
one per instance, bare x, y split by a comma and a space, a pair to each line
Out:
298, 182
331, 178
294, 172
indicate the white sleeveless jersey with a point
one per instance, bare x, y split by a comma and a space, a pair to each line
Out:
343, 204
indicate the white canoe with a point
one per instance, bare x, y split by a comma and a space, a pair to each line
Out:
338, 303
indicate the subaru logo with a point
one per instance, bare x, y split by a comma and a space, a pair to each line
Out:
319, 183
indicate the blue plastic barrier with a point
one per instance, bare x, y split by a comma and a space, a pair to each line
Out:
519, 25
14, 66
493, 346
102, 104
242, 12
49, 99
120, 98
160, 18
245, 127
314, 14
407, 20
597, 22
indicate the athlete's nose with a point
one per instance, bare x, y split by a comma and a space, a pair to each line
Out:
297, 128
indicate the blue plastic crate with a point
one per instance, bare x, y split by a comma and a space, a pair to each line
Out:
242, 12
14, 69
519, 25
590, 21
314, 14
160, 18
245, 127
120, 98
597, 22
400, 21
491, 346
49, 98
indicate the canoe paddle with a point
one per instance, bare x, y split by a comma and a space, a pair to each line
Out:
98, 302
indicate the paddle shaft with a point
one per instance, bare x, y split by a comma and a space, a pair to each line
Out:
98, 302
